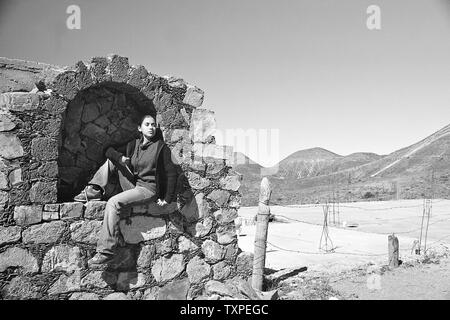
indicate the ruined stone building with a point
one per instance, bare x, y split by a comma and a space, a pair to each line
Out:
54, 124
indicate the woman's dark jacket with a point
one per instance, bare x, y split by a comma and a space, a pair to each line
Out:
165, 171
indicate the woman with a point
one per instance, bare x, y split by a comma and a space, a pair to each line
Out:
145, 173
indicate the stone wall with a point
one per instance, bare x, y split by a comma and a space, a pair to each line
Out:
54, 126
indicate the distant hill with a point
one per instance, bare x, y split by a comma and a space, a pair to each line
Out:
306, 176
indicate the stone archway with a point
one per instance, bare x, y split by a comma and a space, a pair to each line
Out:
101, 103
98, 117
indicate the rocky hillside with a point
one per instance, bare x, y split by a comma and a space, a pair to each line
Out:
417, 171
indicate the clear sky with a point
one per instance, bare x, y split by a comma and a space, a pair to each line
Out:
309, 68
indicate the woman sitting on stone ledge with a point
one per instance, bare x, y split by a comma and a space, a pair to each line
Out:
144, 172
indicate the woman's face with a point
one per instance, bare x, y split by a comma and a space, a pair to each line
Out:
148, 127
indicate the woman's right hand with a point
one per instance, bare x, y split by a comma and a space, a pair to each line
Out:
125, 160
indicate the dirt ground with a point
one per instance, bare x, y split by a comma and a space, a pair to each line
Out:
354, 267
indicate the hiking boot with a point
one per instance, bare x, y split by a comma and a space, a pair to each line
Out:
89, 194
100, 258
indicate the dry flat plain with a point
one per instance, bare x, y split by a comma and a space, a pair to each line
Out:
359, 237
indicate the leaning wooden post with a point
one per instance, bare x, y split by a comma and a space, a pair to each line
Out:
393, 251
262, 224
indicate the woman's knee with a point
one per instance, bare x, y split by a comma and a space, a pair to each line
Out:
113, 203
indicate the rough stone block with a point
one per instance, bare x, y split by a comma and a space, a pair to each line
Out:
151, 293
9, 234
244, 263
180, 135
66, 284
146, 256
94, 210
70, 210
162, 101
4, 198
166, 268
116, 296
95, 133
213, 251
84, 296
65, 84
214, 166
50, 215
202, 126
85, 231
118, 68
243, 287
43, 192
49, 128
220, 197
142, 228
213, 286
203, 228
15, 177
138, 77
51, 207
55, 105
98, 280
26, 215
19, 101
194, 96
48, 232
62, 258
98, 67
231, 252
4, 181
6, 123
231, 182
90, 112
197, 166
46, 170
226, 234
175, 82
17, 257
10, 146
164, 247
221, 270
176, 290
186, 245
22, 288
196, 181
181, 152
44, 149
197, 270
235, 202
224, 216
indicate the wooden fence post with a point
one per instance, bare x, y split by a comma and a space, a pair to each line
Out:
393, 251
262, 223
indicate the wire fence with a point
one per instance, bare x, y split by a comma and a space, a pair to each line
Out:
334, 250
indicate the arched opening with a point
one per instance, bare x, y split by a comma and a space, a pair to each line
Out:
98, 117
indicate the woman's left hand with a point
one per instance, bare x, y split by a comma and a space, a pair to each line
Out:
161, 202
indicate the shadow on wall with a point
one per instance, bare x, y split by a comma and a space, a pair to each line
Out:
98, 117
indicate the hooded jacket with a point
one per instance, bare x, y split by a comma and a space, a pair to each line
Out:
165, 170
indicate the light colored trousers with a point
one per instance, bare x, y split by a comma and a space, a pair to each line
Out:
112, 179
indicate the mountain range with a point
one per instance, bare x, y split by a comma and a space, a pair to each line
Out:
421, 170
